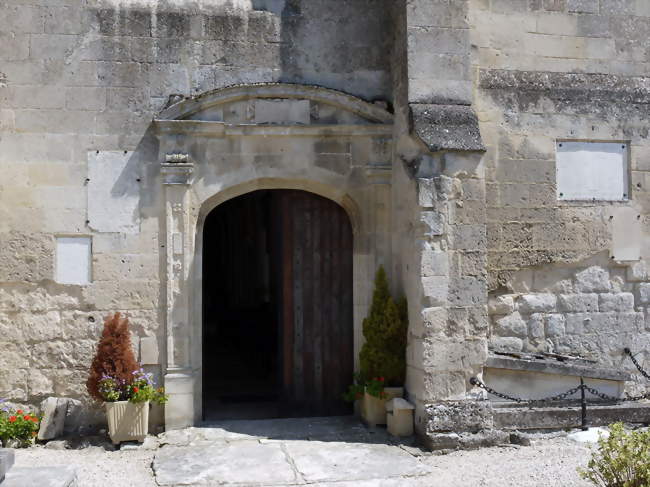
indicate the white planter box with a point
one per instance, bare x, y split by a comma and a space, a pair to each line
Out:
127, 421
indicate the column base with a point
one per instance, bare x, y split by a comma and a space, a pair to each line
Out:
179, 410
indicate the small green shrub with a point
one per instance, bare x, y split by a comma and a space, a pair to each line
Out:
622, 460
384, 352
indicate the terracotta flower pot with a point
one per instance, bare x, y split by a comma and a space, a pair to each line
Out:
374, 408
127, 421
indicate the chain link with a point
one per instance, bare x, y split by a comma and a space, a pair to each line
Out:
565, 395
559, 397
636, 364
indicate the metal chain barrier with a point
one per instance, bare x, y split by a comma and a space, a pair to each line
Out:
559, 397
628, 352
582, 388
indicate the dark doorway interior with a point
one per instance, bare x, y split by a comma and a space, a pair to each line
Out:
277, 307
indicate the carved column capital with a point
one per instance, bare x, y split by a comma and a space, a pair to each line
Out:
177, 169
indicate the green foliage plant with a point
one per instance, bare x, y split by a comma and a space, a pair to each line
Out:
375, 387
18, 425
355, 391
622, 459
383, 355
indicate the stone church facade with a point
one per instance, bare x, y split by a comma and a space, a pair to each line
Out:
492, 155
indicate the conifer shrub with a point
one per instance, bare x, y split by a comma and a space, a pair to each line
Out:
383, 355
114, 358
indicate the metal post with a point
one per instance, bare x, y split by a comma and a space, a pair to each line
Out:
583, 403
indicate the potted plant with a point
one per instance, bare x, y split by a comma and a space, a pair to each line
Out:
383, 355
18, 428
121, 384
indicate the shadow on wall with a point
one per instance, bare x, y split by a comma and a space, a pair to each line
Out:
345, 48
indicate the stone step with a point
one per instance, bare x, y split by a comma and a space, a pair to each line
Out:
6, 461
64, 476
523, 418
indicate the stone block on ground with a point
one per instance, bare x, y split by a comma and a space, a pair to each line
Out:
60, 415
517, 438
64, 476
6, 462
73, 417
459, 416
57, 445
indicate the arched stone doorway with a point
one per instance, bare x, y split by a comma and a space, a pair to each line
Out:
277, 306
227, 143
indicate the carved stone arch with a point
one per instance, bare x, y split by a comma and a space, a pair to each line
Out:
183, 110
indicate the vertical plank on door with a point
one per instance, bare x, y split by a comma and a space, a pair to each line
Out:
317, 304
286, 226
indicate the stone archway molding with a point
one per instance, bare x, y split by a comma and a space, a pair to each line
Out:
187, 107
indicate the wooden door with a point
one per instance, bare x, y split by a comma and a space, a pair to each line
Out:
316, 303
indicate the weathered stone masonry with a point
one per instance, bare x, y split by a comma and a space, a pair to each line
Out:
434, 123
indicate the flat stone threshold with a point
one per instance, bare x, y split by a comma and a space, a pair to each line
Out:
63, 476
333, 428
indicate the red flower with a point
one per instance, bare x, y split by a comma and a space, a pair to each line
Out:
20, 411
34, 419
135, 390
381, 379
26, 417
12, 419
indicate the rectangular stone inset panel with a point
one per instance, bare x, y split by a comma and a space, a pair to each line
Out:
113, 192
592, 171
73, 260
282, 111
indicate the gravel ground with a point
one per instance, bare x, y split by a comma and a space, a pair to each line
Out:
547, 462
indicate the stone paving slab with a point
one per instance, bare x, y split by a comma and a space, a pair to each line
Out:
6, 461
243, 462
320, 461
64, 476
332, 452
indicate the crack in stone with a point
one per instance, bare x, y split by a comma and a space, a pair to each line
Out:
292, 464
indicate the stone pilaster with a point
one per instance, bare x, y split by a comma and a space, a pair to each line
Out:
448, 339
179, 380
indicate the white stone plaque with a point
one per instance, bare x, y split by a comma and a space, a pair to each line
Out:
113, 192
73, 260
592, 171
626, 234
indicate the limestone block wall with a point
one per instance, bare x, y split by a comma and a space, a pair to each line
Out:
546, 72
439, 206
82, 78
